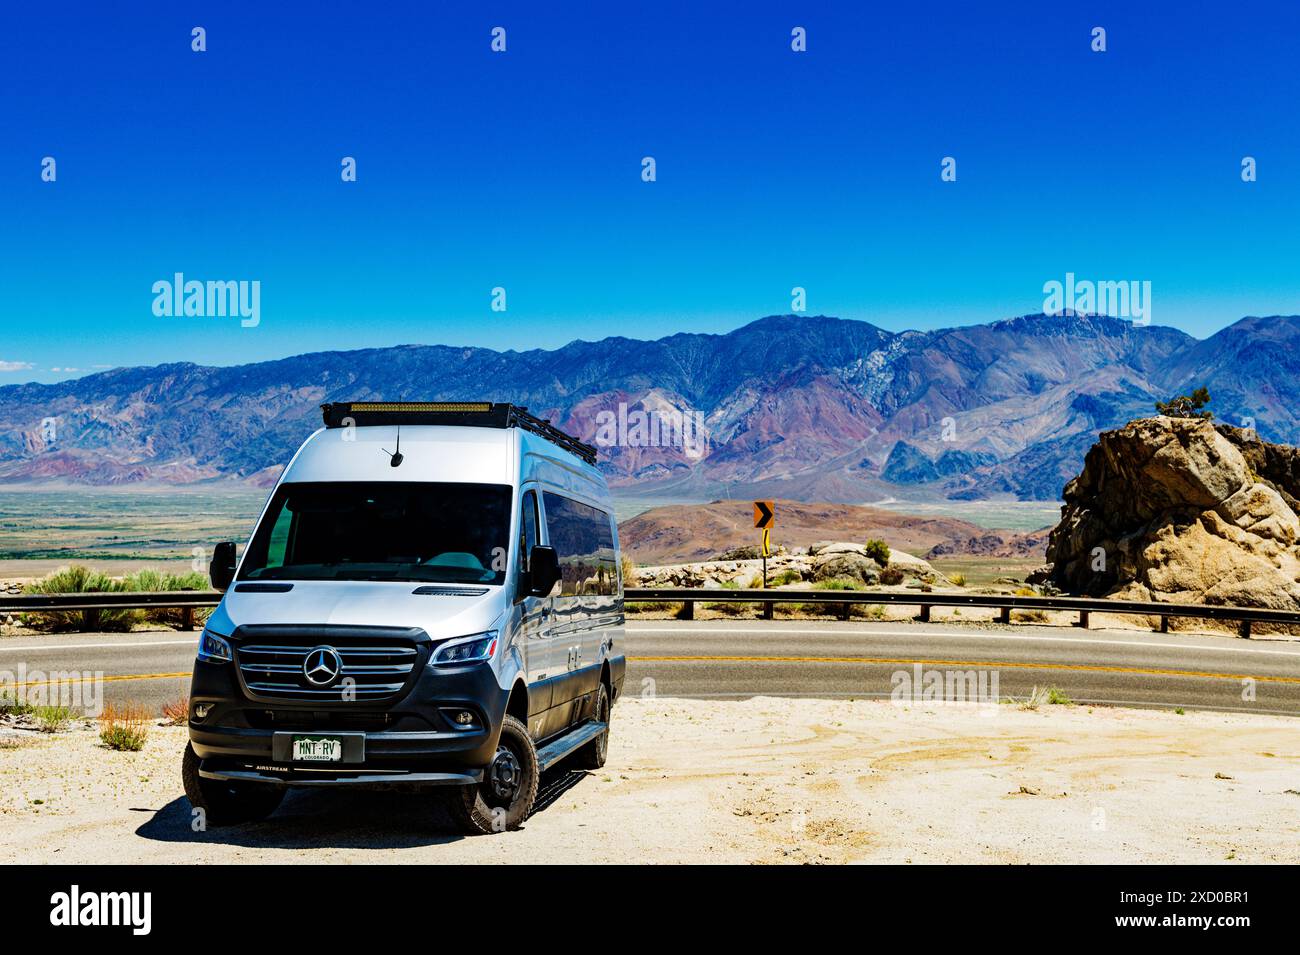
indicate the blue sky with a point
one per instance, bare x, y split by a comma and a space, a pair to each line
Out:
523, 169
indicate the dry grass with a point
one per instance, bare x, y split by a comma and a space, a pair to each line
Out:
1030, 616
125, 727
177, 712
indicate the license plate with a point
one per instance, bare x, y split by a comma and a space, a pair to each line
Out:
317, 749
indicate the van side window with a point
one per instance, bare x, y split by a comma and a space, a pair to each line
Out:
583, 539
527, 528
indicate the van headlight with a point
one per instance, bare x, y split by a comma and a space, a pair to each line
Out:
213, 649
473, 649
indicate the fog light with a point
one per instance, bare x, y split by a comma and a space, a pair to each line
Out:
202, 710
464, 718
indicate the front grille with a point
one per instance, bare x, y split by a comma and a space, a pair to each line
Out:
271, 664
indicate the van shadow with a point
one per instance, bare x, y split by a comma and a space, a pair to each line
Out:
344, 819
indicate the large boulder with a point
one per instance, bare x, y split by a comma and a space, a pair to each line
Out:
1179, 510
845, 565
915, 567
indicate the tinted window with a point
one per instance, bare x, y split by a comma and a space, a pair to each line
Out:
453, 533
527, 528
583, 539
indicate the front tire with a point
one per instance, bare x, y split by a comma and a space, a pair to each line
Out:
226, 803
505, 797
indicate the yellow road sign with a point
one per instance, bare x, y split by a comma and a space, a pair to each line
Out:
764, 514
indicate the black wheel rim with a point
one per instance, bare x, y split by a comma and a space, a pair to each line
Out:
505, 776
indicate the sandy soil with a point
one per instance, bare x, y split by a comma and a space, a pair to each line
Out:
759, 781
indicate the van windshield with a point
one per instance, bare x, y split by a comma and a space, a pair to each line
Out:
440, 532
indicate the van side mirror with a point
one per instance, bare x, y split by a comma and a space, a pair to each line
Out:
221, 569
543, 570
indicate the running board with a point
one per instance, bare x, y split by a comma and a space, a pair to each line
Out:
556, 750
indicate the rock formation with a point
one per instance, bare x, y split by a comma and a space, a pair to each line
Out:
1183, 511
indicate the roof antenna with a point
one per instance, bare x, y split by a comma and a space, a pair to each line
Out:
396, 456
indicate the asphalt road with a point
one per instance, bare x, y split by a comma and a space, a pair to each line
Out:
739, 659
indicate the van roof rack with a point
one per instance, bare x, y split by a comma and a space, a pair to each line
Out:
478, 414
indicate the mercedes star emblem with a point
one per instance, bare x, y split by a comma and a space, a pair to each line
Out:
322, 666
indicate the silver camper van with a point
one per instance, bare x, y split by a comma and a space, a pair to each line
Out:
432, 596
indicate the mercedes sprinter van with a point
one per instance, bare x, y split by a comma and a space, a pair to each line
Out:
432, 596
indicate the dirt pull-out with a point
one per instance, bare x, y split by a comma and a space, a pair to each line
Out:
764, 780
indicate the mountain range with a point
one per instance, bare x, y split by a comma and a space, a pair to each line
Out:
799, 407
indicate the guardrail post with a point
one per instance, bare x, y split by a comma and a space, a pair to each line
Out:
1164, 623
924, 616
1245, 629
1083, 619
1004, 615
688, 610
767, 610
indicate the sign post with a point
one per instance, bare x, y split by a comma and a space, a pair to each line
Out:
764, 520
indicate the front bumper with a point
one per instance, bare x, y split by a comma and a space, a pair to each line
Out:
409, 742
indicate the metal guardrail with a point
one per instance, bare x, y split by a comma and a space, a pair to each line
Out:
689, 597
125, 600
1083, 606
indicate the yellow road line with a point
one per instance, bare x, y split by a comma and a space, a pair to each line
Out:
987, 664
107, 679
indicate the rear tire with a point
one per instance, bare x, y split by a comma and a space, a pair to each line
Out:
592, 756
226, 803
505, 797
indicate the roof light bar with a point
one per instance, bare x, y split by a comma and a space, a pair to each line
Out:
480, 414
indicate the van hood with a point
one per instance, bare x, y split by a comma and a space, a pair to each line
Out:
441, 610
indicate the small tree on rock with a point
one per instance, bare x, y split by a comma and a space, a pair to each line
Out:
1186, 406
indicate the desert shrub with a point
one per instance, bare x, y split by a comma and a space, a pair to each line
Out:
176, 712
743, 552
78, 580
51, 719
183, 618
819, 610
787, 576
729, 608
125, 727
756, 582
869, 611
14, 706
629, 571
836, 583
649, 606
878, 551
1030, 616
891, 576
958, 580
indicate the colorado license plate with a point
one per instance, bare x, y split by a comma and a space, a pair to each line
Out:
317, 749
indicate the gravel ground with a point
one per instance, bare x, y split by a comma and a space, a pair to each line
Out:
760, 781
